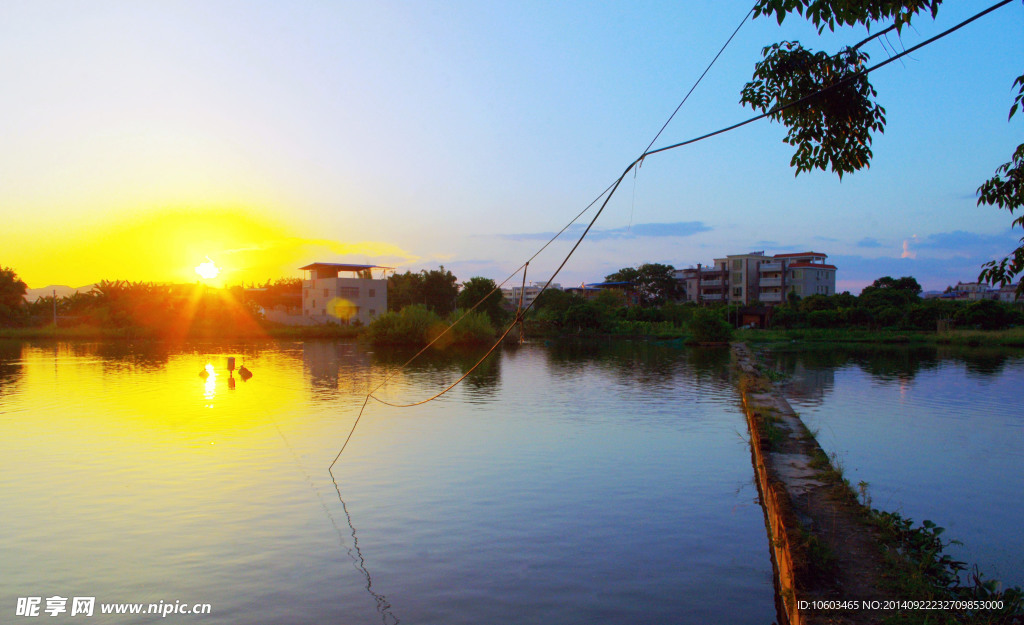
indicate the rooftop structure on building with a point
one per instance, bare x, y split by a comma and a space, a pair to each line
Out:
328, 298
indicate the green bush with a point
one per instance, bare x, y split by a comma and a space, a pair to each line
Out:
888, 316
824, 318
414, 325
985, 314
474, 328
707, 326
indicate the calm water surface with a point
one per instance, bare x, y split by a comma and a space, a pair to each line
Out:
938, 434
555, 485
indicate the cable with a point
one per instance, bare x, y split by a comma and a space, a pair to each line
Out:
863, 72
610, 191
706, 70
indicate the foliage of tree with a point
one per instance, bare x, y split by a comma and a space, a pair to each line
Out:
830, 109
829, 128
654, 283
404, 290
552, 302
1006, 190
485, 291
436, 289
12, 296
894, 303
907, 284
440, 289
281, 292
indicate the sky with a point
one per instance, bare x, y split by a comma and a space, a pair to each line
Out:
139, 140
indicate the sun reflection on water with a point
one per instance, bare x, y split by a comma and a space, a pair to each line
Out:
210, 384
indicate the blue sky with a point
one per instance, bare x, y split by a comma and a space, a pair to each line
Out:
413, 134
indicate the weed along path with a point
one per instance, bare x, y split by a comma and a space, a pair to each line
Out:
825, 554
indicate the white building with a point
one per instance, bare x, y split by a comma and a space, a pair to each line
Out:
757, 277
529, 293
327, 298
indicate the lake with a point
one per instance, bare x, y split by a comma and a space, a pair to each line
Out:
556, 484
937, 433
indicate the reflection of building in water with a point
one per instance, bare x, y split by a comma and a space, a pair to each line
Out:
337, 365
810, 385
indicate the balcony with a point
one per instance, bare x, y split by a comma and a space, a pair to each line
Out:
711, 296
770, 297
710, 283
767, 282
769, 267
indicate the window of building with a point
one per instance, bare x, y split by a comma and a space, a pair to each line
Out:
737, 264
737, 291
373, 293
349, 292
327, 293
798, 274
373, 313
737, 277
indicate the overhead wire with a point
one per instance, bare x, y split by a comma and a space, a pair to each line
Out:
606, 194
609, 192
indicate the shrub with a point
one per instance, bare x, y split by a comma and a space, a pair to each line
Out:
475, 328
412, 326
824, 318
707, 326
985, 314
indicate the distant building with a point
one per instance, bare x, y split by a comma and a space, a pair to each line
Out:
529, 293
1008, 294
328, 298
974, 291
757, 277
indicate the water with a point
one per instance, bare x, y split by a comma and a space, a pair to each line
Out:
937, 435
555, 485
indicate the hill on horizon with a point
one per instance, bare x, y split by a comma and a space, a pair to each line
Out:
32, 295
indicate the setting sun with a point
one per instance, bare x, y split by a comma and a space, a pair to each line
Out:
208, 270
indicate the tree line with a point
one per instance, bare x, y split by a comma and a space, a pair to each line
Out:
645, 303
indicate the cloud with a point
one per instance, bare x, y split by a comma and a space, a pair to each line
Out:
907, 253
869, 242
855, 272
960, 240
673, 229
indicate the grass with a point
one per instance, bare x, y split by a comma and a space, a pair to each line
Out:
917, 568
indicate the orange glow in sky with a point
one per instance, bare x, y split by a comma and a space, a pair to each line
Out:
165, 245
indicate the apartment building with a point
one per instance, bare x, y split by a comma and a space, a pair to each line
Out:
529, 293
328, 298
757, 277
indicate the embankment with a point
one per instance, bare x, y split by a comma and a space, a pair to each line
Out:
822, 547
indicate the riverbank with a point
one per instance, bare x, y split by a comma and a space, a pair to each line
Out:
1013, 337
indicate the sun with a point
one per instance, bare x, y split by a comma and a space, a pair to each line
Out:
207, 270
